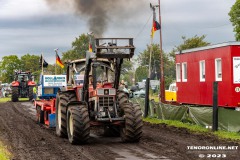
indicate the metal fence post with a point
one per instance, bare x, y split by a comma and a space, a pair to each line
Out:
215, 106
146, 98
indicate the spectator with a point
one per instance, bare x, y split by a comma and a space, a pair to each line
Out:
122, 84
34, 93
3, 92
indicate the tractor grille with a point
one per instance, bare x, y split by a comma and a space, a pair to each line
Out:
106, 101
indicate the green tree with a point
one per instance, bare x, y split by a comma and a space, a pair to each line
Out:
127, 73
79, 48
192, 42
141, 73
235, 18
168, 59
7, 67
30, 63
126, 66
143, 60
188, 43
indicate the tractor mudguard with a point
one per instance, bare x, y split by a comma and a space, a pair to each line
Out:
31, 83
76, 103
63, 89
15, 84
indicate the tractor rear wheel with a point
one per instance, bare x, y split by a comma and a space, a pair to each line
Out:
40, 115
132, 130
62, 100
122, 98
78, 124
30, 93
15, 94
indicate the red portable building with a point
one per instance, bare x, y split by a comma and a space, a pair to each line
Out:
198, 68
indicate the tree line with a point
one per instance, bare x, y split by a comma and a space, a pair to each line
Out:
129, 73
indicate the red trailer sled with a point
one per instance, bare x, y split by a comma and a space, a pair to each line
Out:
47, 91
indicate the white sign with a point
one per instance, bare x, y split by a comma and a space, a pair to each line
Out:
236, 70
54, 81
78, 77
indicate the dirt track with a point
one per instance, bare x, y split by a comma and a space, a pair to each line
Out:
28, 140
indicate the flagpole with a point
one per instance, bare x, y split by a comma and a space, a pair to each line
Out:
42, 63
149, 65
162, 81
56, 50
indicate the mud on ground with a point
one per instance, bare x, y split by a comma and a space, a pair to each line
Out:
28, 140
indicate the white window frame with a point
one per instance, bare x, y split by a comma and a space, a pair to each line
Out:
178, 72
202, 70
217, 78
184, 72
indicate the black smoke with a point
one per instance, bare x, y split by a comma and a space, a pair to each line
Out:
99, 13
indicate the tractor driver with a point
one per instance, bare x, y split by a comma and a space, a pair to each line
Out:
23, 77
90, 79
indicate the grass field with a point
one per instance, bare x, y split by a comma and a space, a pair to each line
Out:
2, 100
196, 128
6, 99
4, 153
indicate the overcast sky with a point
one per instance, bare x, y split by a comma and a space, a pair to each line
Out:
32, 26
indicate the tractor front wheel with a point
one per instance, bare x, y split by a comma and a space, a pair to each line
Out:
30, 93
78, 124
15, 94
40, 115
62, 100
132, 130
61, 125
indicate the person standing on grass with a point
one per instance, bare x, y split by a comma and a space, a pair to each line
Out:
1, 93
34, 93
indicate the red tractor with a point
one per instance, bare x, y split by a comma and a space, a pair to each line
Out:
22, 86
96, 100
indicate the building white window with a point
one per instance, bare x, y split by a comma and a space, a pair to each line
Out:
218, 69
184, 72
178, 72
202, 71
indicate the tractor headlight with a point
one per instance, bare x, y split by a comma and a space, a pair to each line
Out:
103, 114
112, 91
101, 109
100, 91
106, 91
110, 108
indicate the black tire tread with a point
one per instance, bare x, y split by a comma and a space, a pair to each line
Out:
64, 98
133, 122
30, 93
40, 115
14, 94
81, 124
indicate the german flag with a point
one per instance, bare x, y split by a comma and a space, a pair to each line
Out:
155, 27
58, 61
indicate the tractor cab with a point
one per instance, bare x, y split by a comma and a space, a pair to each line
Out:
22, 86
